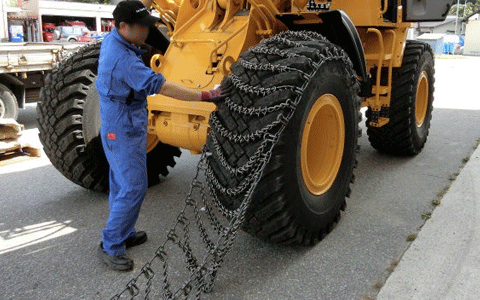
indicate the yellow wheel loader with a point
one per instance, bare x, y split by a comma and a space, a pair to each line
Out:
327, 59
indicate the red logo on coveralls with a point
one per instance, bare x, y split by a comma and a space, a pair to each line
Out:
111, 136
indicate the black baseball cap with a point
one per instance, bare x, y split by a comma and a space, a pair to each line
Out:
133, 12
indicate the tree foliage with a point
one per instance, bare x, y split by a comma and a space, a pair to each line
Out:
467, 8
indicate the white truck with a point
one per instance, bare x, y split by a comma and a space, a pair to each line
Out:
22, 70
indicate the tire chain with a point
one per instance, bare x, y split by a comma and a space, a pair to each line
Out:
203, 274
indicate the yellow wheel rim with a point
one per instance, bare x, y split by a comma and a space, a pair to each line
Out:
421, 99
322, 144
152, 142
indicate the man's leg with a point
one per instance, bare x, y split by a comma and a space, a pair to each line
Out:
128, 179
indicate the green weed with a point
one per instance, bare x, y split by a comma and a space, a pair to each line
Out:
411, 237
427, 216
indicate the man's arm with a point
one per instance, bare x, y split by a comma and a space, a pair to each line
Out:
182, 93
179, 92
141, 78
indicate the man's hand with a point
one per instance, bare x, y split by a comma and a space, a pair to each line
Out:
218, 94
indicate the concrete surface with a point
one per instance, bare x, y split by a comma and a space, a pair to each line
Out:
444, 260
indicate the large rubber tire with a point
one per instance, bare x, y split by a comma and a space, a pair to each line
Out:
69, 123
411, 104
8, 103
285, 208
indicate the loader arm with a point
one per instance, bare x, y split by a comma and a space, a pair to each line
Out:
206, 37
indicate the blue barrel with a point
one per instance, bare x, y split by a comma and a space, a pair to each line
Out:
16, 33
448, 48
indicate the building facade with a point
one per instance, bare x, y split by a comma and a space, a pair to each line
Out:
472, 37
451, 25
32, 15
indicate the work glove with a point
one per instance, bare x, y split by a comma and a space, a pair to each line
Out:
218, 94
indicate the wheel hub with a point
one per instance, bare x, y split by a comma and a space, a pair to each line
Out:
322, 144
421, 99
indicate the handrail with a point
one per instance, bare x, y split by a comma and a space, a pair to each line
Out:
385, 7
376, 106
390, 66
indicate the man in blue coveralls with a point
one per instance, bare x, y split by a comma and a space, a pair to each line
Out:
123, 83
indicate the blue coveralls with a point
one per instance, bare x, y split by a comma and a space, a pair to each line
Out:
122, 75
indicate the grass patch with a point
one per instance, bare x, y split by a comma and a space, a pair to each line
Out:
427, 216
443, 191
438, 199
453, 177
378, 285
411, 237
392, 266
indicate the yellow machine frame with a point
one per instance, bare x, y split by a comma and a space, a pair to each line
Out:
222, 30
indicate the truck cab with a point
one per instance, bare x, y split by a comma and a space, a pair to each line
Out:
48, 32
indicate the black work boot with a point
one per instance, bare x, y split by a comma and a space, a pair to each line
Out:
118, 263
139, 239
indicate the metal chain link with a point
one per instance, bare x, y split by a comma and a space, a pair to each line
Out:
238, 84
310, 35
262, 49
218, 127
203, 272
270, 67
258, 111
252, 161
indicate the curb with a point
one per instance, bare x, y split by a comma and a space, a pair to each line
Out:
444, 260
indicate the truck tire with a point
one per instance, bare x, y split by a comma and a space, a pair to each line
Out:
411, 104
8, 103
303, 187
69, 123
